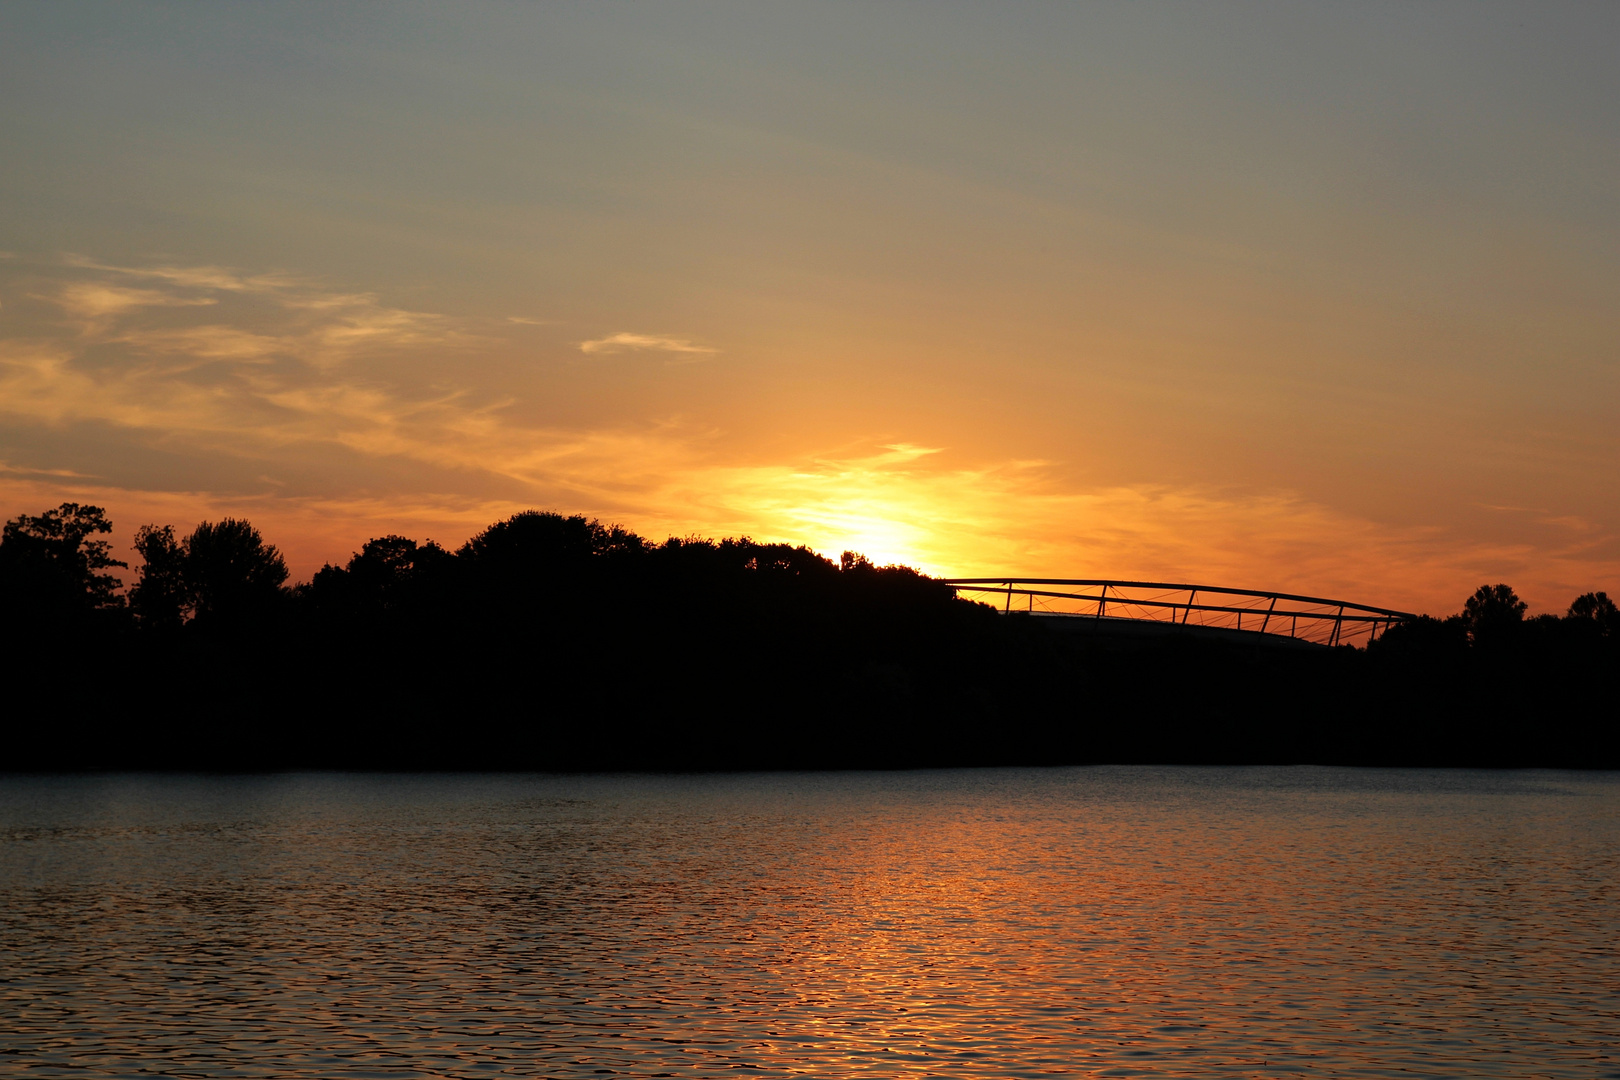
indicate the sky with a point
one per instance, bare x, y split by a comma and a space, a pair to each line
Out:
1320, 298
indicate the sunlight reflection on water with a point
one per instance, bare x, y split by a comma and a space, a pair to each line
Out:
1006, 923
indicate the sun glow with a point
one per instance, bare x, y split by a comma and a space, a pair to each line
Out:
305, 378
893, 504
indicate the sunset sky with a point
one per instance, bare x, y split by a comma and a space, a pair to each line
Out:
1318, 298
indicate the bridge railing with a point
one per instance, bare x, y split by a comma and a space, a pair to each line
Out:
1306, 618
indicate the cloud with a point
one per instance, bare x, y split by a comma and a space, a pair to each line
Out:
192, 277
206, 343
904, 452
93, 300
23, 470
524, 320
362, 323
261, 373
623, 342
43, 384
259, 316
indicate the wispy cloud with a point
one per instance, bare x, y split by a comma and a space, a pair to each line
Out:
191, 277
265, 370
93, 300
317, 326
206, 343
23, 470
627, 342
361, 322
524, 320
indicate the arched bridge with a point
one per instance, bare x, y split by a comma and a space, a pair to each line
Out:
1167, 605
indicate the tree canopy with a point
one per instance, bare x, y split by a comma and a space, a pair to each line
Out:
52, 566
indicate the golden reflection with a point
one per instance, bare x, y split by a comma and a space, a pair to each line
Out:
973, 924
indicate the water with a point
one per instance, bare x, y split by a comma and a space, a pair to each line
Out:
1009, 923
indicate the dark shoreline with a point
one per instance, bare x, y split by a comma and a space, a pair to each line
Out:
1044, 700
551, 643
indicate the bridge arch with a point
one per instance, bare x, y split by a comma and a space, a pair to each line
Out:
1312, 619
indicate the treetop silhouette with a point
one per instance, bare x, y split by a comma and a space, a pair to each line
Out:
52, 567
550, 640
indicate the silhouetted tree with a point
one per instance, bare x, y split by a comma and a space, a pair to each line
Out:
393, 556
1492, 614
230, 572
159, 597
1598, 611
537, 542
385, 576
50, 566
1423, 639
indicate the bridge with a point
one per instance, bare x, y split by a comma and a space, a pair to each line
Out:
1160, 606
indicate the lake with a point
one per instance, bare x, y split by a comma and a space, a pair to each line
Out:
998, 923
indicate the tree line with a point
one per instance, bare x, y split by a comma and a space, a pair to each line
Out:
56, 573
554, 641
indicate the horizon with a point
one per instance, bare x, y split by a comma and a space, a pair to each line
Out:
296, 580
1318, 300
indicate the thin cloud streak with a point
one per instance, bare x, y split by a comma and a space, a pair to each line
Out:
627, 342
22, 470
319, 327
91, 300
205, 343
191, 277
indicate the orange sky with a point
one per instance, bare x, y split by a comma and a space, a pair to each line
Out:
1313, 299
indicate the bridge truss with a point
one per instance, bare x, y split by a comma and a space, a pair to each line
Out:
1303, 618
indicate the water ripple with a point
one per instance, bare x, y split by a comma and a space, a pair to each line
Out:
1011, 923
